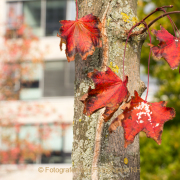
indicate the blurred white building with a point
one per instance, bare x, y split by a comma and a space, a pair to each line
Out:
48, 100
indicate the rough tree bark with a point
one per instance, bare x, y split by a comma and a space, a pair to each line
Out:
120, 15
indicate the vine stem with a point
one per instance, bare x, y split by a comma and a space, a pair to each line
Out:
157, 9
152, 22
143, 20
172, 23
97, 147
76, 11
100, 121
147, 28
148, 61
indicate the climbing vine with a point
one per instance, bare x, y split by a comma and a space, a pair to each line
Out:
83, 35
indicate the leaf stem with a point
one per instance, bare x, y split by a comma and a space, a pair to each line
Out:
76, 11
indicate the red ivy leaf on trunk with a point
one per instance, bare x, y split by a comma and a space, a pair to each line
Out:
168, 48
110, 91
143, 116
80, 36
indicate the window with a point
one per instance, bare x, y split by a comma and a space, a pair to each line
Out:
29, 133
14, 12
59, 78
55, 11
9, 89
32, 16
59, 142
31, 81
51, 79
42, 16
53, 141
7, 138
52, 138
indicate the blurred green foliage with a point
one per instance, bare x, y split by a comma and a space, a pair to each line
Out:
161, 162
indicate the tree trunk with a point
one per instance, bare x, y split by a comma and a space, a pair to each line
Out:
114, 161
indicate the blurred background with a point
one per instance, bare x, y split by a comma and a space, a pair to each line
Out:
37, 89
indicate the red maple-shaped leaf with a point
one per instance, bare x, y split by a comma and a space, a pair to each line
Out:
81, 36
168, 48
140, 115
110, 91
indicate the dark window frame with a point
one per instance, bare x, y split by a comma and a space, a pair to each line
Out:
43, 15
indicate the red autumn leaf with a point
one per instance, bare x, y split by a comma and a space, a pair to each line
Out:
81, 36
110, 91
140, 115
168, 48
